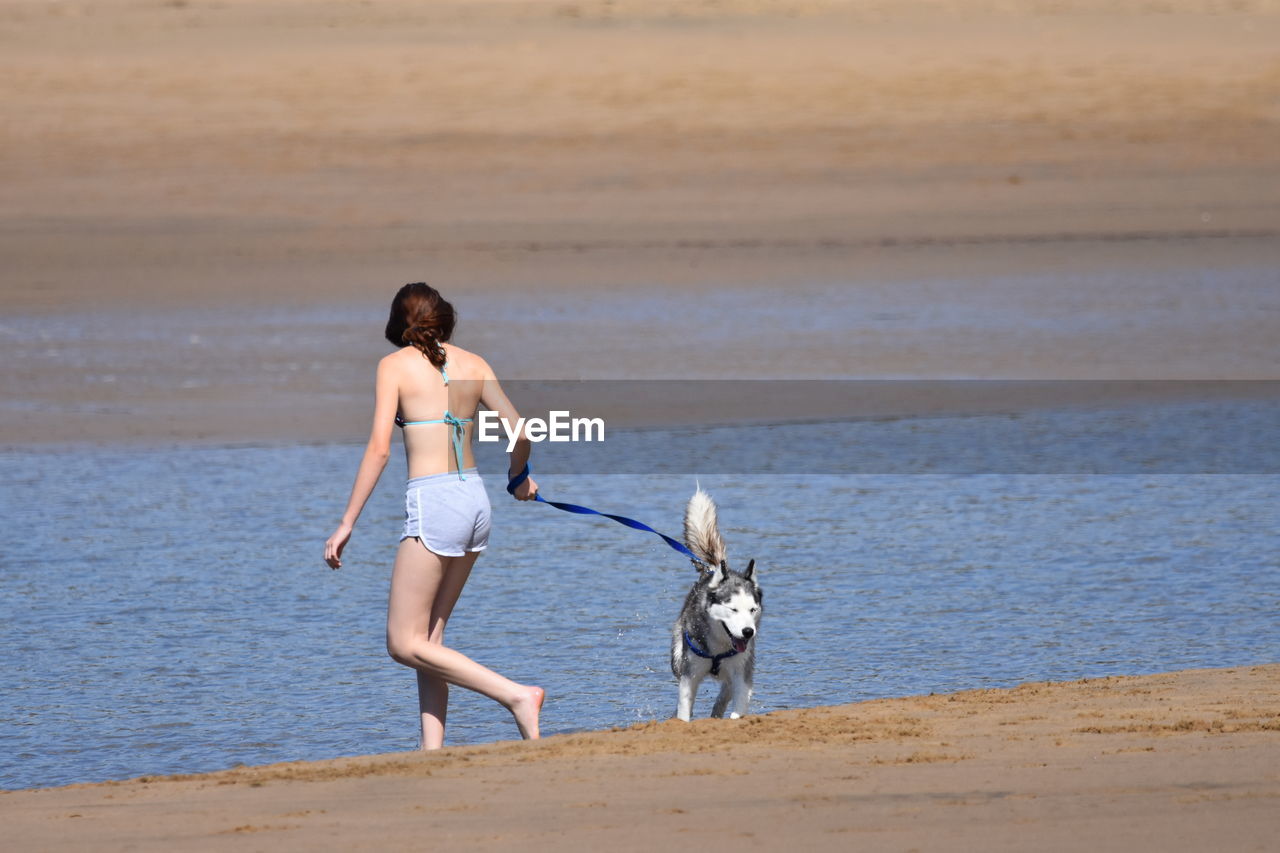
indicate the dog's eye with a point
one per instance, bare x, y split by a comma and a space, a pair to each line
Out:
754, 609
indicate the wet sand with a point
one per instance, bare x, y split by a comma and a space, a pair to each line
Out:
1180, 761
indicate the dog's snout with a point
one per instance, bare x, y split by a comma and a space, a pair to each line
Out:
748, 633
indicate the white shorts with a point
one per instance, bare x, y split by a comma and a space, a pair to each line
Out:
447, 514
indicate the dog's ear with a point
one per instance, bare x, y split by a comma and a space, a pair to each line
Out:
750, 573
717, 574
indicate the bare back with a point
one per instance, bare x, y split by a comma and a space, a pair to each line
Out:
424, 396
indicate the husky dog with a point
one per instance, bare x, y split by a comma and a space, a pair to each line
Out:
716, 628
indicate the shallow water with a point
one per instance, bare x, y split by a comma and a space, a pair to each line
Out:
166, 610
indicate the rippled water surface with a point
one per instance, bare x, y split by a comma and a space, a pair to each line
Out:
167, 610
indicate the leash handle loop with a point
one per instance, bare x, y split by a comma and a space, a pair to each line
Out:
514, 482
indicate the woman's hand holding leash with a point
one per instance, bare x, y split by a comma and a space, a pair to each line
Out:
522, 487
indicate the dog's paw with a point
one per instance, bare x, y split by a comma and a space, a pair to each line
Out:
735, 716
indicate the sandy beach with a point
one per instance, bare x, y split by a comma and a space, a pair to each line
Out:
1180, 761
298, 150
935, 158
1015, 189
290, 151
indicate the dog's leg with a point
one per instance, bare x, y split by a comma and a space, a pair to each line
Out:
722, 701
688, 693
741, 694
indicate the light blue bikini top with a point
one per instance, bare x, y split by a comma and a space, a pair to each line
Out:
459, 431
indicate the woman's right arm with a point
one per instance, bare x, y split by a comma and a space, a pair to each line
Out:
386, 400
492, 397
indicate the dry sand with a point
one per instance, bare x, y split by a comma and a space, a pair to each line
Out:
1183, 761
295, 151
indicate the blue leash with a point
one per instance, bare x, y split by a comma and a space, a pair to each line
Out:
676, 544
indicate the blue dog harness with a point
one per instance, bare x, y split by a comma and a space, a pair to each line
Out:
715, 659
629, 522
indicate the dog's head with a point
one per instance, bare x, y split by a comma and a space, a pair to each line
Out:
735, 601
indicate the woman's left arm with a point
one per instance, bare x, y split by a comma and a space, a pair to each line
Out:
385, 403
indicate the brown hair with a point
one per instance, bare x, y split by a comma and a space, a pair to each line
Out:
422, 318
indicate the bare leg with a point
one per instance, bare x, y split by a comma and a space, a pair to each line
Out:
421, 581
433, 691
433, 709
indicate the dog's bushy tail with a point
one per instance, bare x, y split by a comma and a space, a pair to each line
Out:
701, 529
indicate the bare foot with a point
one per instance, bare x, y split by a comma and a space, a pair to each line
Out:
525, 708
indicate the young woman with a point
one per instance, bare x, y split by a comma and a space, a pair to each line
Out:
432, 389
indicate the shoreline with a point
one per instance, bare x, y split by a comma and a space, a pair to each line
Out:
1173, 759
700, 404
